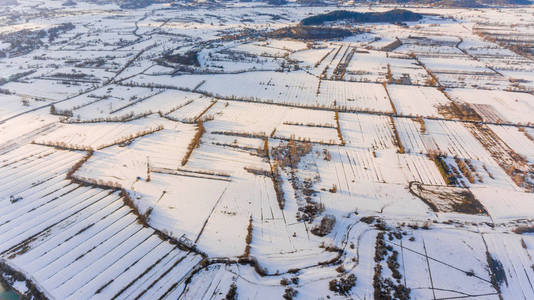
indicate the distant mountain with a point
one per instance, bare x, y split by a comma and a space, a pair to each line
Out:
462, 3
310, 33
392, 16
132, 4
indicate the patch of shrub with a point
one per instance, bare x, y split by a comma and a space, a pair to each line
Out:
343, 285
232, 292
325, 227
290, 293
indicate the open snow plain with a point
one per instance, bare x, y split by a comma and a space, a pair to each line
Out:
185, 151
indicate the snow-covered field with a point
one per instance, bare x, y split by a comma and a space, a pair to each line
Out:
183, 151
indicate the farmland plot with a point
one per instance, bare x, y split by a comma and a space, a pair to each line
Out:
355, 96
79, 241
367, 131
233, 207
483, 81
280, 241
460, 64
503, 204
314, 134
225, 59
261, 50
251, 144
332, 71
310, 58
498, 106
512, 163
98, 135
322, 64
216, 280
411, 134
367, 66
48, 90
103, 106
288, 45
370, 183
193, 111
187, 83
121, 94
167, 199
294, 89
239, 202
517, 139
486, 50
92, 61
385, 167
443, 258
454, 140
417, 101
464, 72
374, 66
511, 264
419, 168
189, 155
28, 128
164, 102
407, 70
15, 104
75, 75
39, 166
426, 42
123, 164
237, 118
235, 203
310, 118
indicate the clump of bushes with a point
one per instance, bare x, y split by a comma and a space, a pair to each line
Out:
343, 285
308, 212
290, 293
385, 287
289, 154
333, 189
325, 227
232, 292
524, 229
286, 155
189, 58
277, 184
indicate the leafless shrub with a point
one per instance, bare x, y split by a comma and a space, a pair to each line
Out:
289, 293
325, 227
333, 189
343, 285
232, 292
524, 229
